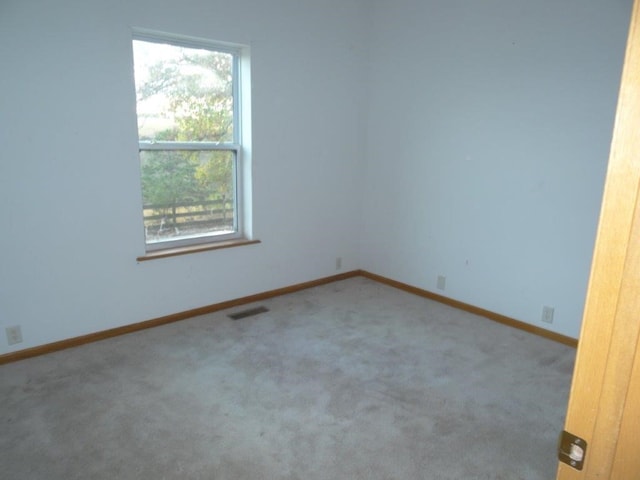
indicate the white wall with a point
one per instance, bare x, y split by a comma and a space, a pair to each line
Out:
69, 175
488, 136
486, 145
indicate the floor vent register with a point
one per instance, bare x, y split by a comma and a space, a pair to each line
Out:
248, 313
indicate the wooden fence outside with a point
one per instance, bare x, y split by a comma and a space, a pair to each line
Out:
188, 217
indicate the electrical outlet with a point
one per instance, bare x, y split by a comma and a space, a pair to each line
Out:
442, 281
338, 263
547, 314
14, 335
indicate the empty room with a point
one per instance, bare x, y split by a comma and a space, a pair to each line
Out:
287, 239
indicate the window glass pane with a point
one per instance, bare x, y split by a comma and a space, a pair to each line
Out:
183, 94
188, 194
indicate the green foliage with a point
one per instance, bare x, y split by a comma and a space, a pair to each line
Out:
216, 175
204, 112
169, 179
196, 87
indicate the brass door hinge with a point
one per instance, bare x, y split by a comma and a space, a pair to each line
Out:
572, 450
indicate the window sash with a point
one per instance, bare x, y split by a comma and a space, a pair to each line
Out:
189, 146
235, 52
237, 195
234, 146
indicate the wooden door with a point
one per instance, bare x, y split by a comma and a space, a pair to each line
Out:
604, 405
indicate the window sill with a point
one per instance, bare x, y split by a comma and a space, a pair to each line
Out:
172, 252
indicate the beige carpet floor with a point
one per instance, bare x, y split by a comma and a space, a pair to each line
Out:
351, 380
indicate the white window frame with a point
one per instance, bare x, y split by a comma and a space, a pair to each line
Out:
240, 144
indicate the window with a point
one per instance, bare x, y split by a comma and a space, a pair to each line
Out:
190, 118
